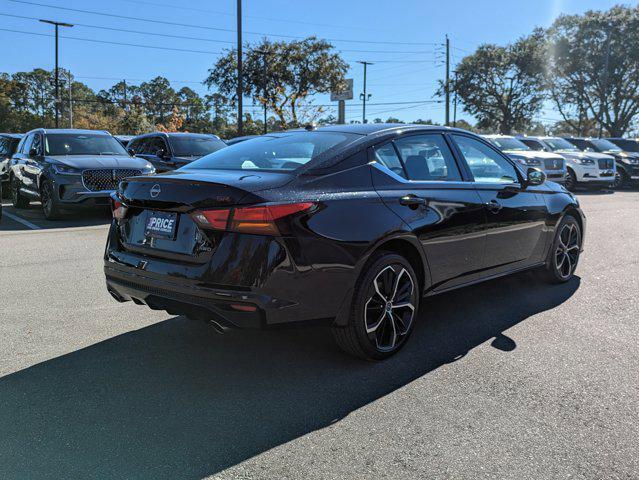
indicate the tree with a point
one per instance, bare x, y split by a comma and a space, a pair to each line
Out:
158, 98
503, 86
281, 75
594, 68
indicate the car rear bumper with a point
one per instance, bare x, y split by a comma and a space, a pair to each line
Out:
216, 304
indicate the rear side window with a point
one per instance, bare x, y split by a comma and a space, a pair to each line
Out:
428, 158
387, 156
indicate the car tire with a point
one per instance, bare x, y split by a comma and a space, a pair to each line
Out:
384, 308
621, 179
50, 205
571, 181
563, 256
17, 199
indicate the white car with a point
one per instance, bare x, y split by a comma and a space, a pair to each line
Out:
584, 168
553, 165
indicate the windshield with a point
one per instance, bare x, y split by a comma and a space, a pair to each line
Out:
506, 143
605, 145
192, 146
560, 144
82, 144
627, 145
283, 152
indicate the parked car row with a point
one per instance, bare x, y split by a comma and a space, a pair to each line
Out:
70, 169
585, 162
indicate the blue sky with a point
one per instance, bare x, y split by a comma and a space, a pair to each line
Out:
407, 66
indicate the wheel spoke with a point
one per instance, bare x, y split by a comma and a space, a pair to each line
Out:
375, 326
393, 338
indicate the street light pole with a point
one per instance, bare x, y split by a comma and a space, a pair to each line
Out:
364, 96
57, 77
240, 92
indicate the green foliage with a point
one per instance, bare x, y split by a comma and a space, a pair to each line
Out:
593, 70
281, 75
503, 86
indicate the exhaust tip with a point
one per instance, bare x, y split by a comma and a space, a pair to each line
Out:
117, 296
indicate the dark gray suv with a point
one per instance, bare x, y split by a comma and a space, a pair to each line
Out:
70, 169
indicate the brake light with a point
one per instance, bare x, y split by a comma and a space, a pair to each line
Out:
260, 219
118, 209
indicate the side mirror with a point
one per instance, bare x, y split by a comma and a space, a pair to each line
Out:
160, 153
33, 152
131, 152
589, 149
534, 176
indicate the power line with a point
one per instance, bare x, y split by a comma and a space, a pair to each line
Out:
92, 40
205, 27
202, 39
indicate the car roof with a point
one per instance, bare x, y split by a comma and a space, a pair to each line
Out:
12, 135
69, 130
174, 134
375, 128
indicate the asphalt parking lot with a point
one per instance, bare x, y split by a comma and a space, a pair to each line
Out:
509, 379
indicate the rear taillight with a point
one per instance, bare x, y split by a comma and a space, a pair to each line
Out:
261, 219
117, 207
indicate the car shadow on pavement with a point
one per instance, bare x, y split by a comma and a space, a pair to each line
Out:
177, 400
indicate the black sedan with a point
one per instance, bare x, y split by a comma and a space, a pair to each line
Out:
354, 224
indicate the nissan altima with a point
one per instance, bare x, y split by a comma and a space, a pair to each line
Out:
350, 224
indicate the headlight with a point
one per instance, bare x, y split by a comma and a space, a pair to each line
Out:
529, 162
148, 170
586, 161
66, 170
629, 159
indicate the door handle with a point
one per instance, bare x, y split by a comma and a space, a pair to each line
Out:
494, 206
412, 201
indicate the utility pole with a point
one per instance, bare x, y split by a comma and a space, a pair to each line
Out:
70, 101
455, 103
57, 77
126, 105
364, 96
239, 68
447, 84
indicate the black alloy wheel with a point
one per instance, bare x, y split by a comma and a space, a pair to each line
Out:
384, 308
564, 254
49, 205
17, 199
571, 181
621, 179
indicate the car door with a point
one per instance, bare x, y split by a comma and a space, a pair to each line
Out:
34, 162
19, 165
515, 214
418, 178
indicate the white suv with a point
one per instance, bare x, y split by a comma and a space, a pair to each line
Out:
584, 168
553, 165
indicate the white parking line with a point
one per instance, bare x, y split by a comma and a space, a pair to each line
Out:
24, 222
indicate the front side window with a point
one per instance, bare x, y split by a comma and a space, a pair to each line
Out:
486, 165
194, 146
627, 145
82, 144
37, 144
428, 158
287, 151
26, 146
533, 144
387, 156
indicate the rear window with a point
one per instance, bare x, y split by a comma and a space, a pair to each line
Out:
282, 152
